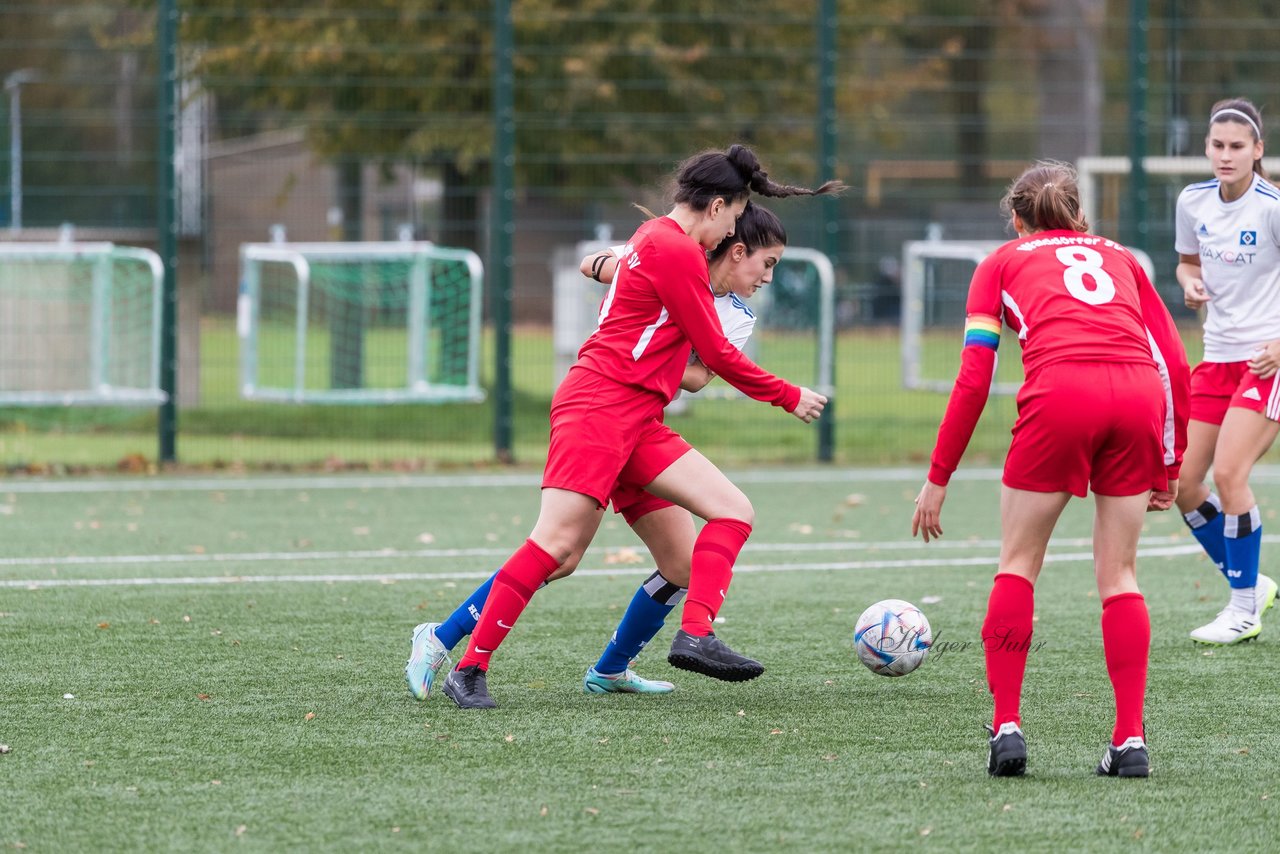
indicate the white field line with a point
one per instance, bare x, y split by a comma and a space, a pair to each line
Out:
436, 481
389, 578
432, 554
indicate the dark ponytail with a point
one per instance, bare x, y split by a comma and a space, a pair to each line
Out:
732, 175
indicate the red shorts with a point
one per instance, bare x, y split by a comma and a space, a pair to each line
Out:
1083, 424
633, 502
605, 435
1218, 386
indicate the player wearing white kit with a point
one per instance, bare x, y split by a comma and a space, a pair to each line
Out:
1228, 244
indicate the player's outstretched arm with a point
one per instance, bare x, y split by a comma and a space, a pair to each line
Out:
599, 266
927, 519
810, 406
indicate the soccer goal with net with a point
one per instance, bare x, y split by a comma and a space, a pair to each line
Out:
79, 325
359, 323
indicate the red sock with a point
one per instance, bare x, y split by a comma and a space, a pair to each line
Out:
1006, 638
512, 589
1126, 641
714, 553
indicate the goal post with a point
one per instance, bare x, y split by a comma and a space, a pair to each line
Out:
935, 287
359, 323
80, 325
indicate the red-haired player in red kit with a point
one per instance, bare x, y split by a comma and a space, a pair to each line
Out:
607, 430
1104, 406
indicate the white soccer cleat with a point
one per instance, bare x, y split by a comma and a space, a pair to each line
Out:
1230, 626
1265, 593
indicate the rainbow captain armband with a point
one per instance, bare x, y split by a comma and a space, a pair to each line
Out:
982, 330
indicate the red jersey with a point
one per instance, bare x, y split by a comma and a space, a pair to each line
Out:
1070, 297
659, 307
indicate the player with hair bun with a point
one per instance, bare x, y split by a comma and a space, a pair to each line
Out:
607, 429
1103, 407
1228, 244
737, 268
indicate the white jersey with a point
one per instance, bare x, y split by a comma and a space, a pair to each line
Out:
1239, 248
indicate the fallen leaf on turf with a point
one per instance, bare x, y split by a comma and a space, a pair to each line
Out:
215, 782
542, 811
604, 740
742, 713
310, 716
508, 738
202, 696
153, 621
855, 499
426, 539
591, 811
395, 830
1244, 751
829, 757
361, 531
186, 618
4, 748
930, 600
622, 555
1008, 807
104, 625
775, 732
1137, 834
1207, 654
925, 831
241, 829
68, 696
800, 528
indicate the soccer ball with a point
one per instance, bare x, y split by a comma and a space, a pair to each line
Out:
892, 637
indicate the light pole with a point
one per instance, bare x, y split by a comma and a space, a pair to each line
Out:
13, 85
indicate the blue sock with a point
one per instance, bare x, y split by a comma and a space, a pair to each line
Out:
463, 620
1206, 523
1242, 536
644, 617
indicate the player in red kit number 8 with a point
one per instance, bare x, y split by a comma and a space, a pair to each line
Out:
607, 429
1104, 406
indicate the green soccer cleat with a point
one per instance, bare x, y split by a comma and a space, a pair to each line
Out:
427, 657
628, 682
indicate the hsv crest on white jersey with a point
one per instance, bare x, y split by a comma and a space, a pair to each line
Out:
1239, 248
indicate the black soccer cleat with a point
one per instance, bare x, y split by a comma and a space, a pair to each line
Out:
1008, 751
469, 688
709, 656
1128, 760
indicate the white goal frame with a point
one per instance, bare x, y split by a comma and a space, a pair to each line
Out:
98, 388
299, 256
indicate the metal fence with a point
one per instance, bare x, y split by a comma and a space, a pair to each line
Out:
518, 129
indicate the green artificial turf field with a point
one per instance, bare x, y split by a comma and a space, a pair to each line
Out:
217, 664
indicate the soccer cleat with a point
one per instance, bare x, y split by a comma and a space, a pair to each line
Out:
1128, 760
629, 682
1265, 594
709, 656
1007, 756
427, 656
1230, 626
469, 688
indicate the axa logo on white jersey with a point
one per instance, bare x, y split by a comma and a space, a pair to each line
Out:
1227, 256
1246, 238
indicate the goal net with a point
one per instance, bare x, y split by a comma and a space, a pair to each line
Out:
79, 325
935, 286
359, 323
